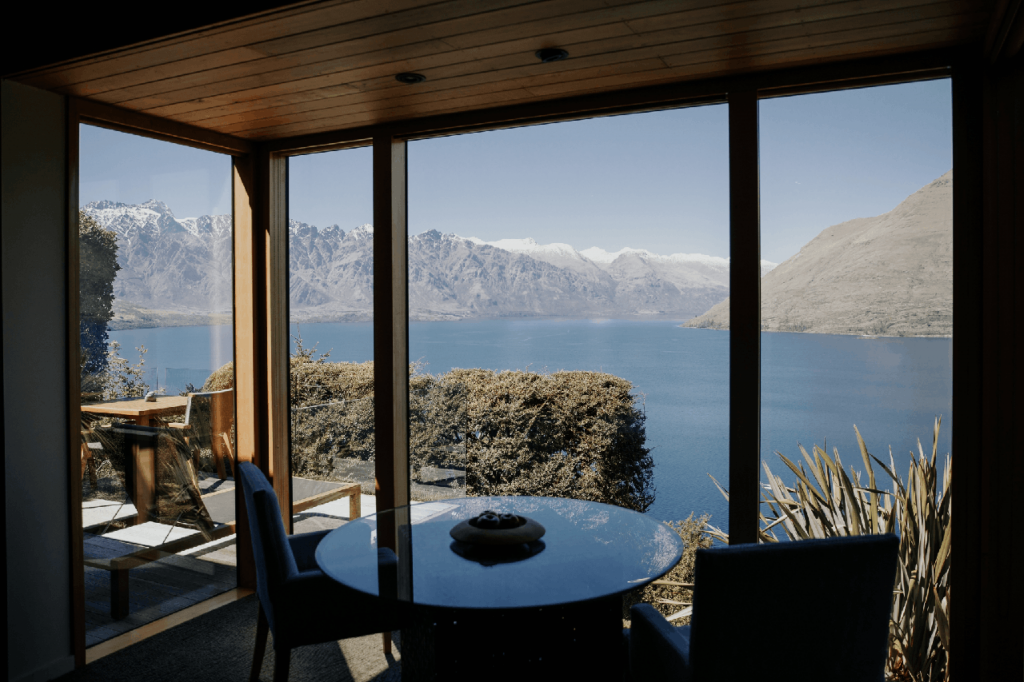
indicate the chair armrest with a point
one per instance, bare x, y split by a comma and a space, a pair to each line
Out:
657, 649
304, 548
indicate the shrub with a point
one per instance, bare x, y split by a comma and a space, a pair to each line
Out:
120, 379
672, 595
97, 269
221, 379
826, 502
567, 434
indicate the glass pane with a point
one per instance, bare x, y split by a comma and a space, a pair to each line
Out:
552, 269
330, 250
856, 191
157, 434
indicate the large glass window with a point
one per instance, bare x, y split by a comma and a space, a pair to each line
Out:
330, 251
551, 271
856, 363
157, 405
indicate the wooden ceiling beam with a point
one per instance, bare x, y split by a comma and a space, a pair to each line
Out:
415, 43
332, 92
297, 49
212, 40
134, 122
322, 66
435, 57
922, 65
367, 110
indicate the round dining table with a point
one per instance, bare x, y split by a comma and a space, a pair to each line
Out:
551, 606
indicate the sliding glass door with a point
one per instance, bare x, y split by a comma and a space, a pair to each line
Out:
330, 279
157, 438
857, 320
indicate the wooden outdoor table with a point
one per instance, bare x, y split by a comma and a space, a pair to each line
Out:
141, 480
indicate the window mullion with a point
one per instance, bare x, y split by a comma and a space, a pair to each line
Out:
744, 318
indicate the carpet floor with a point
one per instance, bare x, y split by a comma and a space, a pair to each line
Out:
218, 646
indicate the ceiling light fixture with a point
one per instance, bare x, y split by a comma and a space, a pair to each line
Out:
410, 78
551, 54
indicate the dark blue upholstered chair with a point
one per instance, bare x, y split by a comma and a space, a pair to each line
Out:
298, 602
807, 610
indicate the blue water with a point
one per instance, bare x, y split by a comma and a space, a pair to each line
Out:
813, 386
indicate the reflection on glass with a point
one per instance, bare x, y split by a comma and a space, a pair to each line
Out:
589, 551
550, 269
856, 350
330, 245
157, 403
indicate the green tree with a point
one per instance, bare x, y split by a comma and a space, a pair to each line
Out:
97, 269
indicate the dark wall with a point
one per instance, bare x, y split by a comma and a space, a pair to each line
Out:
35, 356
1001, 448
90, 28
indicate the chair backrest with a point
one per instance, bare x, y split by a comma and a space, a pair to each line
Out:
273, 555
801, 610
221, 405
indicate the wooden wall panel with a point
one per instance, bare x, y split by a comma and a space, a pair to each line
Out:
569, 84
261, 331
331, 66
665, 51
734, 38
133, 122
249, 374
390, 322
376, 41
274, 206
208, 41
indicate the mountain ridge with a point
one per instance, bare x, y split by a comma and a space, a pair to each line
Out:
888, 275
172, 266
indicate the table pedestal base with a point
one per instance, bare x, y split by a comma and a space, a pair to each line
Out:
578, 641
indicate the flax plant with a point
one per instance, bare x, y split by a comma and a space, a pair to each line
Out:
827, 502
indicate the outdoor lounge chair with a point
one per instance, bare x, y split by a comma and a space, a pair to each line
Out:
299, 604
208, 420
174, 516
807, 610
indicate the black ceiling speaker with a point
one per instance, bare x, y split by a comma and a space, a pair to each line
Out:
410, 78
551, 54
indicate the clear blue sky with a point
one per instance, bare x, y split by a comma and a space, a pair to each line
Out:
134, 169
657, 181
831, 157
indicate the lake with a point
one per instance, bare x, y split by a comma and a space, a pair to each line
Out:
814, 387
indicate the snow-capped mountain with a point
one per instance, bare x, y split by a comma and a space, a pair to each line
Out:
185, 265
454, 277
166, 263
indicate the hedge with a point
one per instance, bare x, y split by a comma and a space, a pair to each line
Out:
568, 434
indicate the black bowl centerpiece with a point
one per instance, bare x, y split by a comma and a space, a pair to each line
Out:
497, 529
493, 538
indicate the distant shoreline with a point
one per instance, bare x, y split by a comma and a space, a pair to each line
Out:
832, 333
129, 316
157, 319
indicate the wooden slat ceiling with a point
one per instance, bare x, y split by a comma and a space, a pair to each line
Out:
314, 67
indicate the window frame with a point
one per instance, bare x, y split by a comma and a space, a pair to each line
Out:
247, 323
261, 291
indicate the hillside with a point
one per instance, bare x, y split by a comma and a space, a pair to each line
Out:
888, 275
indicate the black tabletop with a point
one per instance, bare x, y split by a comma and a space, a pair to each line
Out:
590, 550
